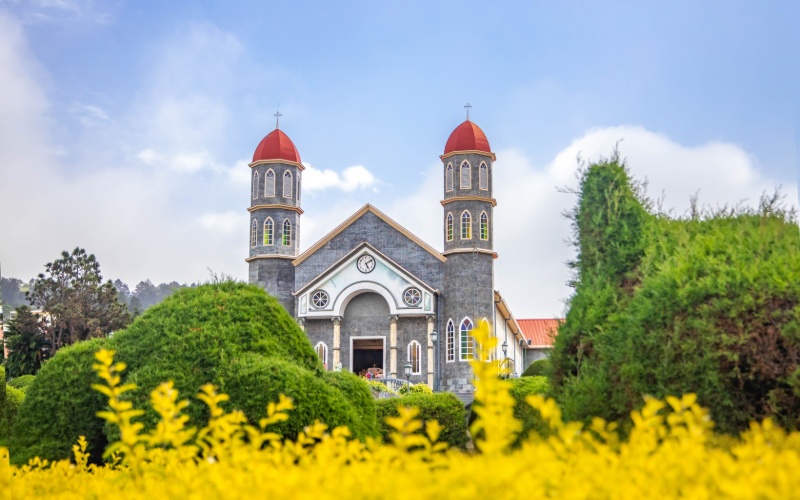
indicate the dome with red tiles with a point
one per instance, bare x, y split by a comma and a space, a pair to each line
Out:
276, 146
467, 137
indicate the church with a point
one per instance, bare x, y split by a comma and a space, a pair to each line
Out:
371, 294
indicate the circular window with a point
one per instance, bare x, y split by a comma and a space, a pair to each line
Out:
319, 300
412, 296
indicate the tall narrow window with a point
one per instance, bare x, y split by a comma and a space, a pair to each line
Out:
269, 232
450, 341
483, 177
269, 183
448, 180
466, 225
484, 226
298, 187
322, 352
467, 342
287, 233
255, 184
287, 184
253, 233
449, 227
466, 176
414, 356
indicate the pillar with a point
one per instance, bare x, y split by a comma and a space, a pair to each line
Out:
337, 340
393, 346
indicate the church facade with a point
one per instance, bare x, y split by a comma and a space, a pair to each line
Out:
371, 293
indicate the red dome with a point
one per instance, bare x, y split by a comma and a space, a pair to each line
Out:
467, 137
276, 146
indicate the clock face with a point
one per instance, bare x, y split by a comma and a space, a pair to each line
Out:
366, 263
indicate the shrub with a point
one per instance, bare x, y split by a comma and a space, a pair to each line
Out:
225, 333
444, 407
415, 389
22, 382
8, 413
537, 368
377, 388
531, 419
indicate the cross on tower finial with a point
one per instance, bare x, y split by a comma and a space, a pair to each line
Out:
277, 116
467, 106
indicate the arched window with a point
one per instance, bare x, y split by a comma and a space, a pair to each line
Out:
466, 225
484, 226
466, 176
450, 341
287, 233
414, 357
483, 177
269, 232
255, 184
467, 342
269, 183
287, 184
253, 233
298, 186
449, 227
448, 180
322, 352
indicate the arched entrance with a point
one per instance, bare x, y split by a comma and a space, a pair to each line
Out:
365, 328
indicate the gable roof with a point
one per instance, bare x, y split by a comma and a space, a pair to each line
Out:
540, 332
350, 220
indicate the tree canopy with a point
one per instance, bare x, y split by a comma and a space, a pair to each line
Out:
27, 343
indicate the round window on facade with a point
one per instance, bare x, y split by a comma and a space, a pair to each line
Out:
412, 296
319, 299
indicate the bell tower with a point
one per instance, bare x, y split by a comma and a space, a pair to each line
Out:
468, 213
275, 211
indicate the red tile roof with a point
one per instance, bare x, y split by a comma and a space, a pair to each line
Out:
276, 146
467, 137
540, 332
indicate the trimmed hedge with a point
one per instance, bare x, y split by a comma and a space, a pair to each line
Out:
22, 382
441, 406
537, 368
9, 411
230, 334
530, 418
415, 389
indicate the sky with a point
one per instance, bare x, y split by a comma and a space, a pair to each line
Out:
126, 127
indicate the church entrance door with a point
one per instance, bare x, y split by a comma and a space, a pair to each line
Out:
367, 354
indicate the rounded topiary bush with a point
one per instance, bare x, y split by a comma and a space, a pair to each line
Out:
22, 382
359, 394
232, 335
442, 406
537, 368
8, 413
531, 419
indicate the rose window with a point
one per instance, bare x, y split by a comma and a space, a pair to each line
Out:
412, 296
319, 300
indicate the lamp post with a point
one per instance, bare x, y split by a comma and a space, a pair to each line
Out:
505, 356
407, 373
434, 339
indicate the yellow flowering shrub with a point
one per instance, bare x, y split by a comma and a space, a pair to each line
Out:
669, 452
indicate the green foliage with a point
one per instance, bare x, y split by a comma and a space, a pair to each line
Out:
441, 406
537, 368
27, 343
22, 382
414, 389
2, 390
708, 304
8, 411
228, 334
530, 418
377, 387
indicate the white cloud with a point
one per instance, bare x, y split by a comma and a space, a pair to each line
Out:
351, 179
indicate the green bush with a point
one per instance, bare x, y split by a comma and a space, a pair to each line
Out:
22, 382
8, 413
415, 389
444, 407
540, 367
523, 412
708, 304
227, 334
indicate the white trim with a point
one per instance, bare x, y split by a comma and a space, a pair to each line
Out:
449, 227
272, 232
291, 184
461, 175
356, 289
472, 324
368, 337
461, 225
324, 357
455, 347
448, 176
267, 176
283, 233
481, 168
419, 357
480, 226
256, 182
253, 233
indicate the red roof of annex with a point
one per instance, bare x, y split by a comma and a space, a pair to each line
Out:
540, 332
467, 137
276, 146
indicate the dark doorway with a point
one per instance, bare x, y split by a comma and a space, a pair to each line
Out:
366, 354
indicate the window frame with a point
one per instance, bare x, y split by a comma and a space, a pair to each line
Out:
466, 342
468, 225
253, 233
484, 226
416, 348
449, 232
256, 182
324, 357
448, 179
288, 175
284, 241
271, 240
270, 175
469, 175
450, 342
483, 177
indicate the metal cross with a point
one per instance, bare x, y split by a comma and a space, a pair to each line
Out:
277, 116
467, 106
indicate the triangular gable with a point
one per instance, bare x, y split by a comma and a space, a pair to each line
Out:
353, 218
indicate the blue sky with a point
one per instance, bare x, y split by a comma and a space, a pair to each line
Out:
135, 120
